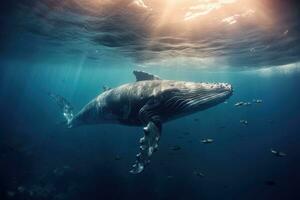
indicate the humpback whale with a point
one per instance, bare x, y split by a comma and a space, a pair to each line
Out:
149, 102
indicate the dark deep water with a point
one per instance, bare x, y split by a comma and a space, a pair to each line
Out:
40, 159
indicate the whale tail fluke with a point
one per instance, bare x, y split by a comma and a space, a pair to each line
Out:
65, 106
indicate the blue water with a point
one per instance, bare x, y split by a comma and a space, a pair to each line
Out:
42, 159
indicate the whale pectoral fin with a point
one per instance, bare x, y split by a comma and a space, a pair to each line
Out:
143, 76
148, 145
152, 131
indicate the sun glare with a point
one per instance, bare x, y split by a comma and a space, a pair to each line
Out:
184, 12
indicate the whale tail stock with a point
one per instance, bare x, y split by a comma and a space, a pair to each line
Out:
65, 107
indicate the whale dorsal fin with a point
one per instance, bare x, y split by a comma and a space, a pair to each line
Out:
144, 76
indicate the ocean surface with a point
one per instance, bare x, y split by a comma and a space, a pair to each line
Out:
74, 48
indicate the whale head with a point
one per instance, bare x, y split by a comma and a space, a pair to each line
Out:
209, 94
215, 92
187, 97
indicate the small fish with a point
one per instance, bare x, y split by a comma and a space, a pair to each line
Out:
207, 141
257, 100
278, 153
21, 189
176, 148
117, 157
245, 122
199, 174
247, 104
239, 104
